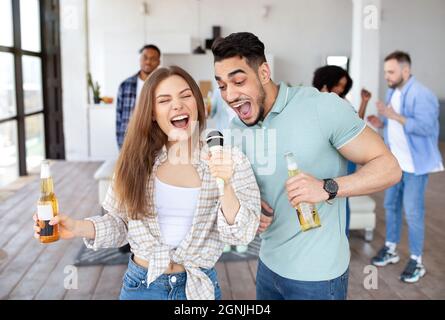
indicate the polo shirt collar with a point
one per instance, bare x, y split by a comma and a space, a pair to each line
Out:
282, 98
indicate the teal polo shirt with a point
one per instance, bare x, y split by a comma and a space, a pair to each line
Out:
313, 126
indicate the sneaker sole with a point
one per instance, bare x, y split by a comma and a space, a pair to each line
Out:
413, 280
385, 263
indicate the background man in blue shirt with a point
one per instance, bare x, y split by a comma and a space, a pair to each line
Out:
410, 118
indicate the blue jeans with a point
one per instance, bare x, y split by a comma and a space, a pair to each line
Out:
165, 287
409, 193
271, 286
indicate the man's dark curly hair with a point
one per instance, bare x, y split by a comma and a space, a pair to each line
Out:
241, 44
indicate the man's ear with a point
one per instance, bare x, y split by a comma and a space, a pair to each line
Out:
264, 73
406, 71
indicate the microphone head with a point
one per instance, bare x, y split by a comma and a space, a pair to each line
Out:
215, 138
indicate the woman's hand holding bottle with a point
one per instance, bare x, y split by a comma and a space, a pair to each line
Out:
68, 228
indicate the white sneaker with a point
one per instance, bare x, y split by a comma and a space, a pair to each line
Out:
413, 272
385, 257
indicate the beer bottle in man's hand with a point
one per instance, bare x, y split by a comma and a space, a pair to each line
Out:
307, 212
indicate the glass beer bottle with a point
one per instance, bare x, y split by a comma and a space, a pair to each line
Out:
307, 212
47, 206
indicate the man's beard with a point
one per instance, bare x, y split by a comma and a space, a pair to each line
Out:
397, 84
260, 102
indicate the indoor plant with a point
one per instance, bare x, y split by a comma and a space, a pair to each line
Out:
96, 89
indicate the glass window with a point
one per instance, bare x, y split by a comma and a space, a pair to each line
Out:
32, 84
30, 25
7, 86
9, 166
35, 141
6, 38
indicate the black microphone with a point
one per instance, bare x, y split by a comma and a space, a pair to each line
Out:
215, 141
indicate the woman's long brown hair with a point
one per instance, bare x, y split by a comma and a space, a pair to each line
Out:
143, 141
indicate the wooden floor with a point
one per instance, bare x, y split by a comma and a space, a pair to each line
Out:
36, 271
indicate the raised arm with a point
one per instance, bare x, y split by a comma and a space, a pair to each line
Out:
379, 170
365, 97
239, 214
107, 231
356, 142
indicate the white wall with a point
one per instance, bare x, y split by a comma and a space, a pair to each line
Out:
74, 70
116, 33
417, 27
299, 33
365, 55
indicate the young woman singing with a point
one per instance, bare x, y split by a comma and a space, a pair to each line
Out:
164, 199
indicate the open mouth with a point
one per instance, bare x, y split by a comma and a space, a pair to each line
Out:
180, 121
244, 109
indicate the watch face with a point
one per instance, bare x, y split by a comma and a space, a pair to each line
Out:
331, 186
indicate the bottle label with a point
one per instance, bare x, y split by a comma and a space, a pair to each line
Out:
45, 212
306, 211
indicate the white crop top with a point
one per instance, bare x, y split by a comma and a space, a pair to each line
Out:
176, 208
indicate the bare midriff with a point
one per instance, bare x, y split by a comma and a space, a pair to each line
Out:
172, 267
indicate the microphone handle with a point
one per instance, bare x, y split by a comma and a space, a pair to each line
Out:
219, 181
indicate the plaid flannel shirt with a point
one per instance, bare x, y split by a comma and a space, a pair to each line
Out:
126, 101
204, 243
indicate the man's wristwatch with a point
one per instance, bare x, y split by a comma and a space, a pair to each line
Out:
331, 187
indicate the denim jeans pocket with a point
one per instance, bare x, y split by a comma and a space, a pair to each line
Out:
131, 281
218, 294
339, 287
214, 278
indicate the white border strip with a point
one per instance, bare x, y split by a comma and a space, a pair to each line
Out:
345, 143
